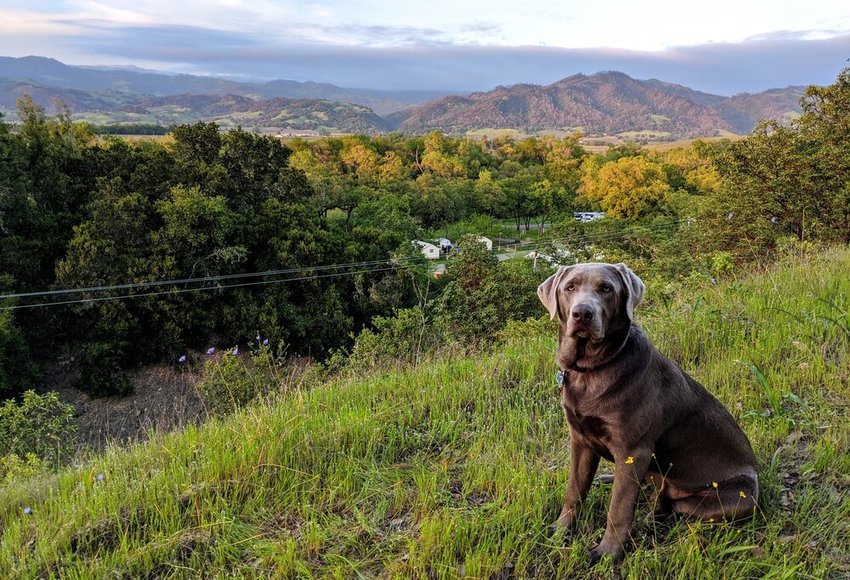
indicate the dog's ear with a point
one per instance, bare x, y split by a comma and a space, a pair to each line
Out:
634, 288
548, 290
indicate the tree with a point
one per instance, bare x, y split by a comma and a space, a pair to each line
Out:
440, 156
18, 214
432, 202
766, 176
784, 180
196, 146
252, 164
111, 247
462, 304
562, 162
520, 202
482, 294
43, 205
17, 371
826, 121
547, 199
692, 168
488, 197
362, 162
631, 187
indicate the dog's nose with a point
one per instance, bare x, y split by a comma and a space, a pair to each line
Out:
582, 313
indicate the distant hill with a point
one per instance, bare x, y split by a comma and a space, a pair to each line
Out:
48, 72
77, 100
52, 73
277, 114
743, 111
607, 103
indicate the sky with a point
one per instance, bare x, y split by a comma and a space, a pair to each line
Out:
719, 46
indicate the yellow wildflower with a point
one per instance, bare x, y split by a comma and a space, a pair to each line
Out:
714, 484
630, 459
742, 494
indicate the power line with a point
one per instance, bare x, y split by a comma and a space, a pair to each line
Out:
205, 279
197, 289
392, 262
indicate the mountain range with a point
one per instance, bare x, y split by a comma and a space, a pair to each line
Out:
602, 104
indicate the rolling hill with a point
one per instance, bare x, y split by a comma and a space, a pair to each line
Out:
109, 107
606, 103
50, 73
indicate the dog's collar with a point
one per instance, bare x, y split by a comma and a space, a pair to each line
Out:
561, 376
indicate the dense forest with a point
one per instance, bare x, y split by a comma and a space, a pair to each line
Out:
148, 249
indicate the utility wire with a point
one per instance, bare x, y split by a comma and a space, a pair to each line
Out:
197, 289
216, 278
393, 264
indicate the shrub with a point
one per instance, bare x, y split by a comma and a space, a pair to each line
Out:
402, 338
483, 294
40, 425
230, 381
12, 466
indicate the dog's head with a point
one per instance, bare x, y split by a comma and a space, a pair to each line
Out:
592, 300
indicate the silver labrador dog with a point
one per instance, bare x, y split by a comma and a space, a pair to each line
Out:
628, 403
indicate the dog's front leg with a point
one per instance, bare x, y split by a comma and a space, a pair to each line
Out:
583, 464
629, 471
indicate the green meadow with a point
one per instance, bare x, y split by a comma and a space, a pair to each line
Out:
456, 468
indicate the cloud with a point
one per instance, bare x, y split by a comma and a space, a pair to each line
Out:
175, 44
21, 23
419, 58
315, 41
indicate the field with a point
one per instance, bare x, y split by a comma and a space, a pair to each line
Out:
457, 467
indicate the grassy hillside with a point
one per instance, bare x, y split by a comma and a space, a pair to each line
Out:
457, 468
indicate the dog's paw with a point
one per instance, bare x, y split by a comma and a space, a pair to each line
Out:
566, 521
595, 555
599, 551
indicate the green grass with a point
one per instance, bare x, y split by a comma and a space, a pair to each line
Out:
457, 467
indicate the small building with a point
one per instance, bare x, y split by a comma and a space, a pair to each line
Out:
430, 251
588, 216
486, 241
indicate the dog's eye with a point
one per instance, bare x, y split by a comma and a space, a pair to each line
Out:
570, 287
605, 288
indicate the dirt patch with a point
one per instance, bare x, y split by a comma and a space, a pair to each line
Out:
164, 398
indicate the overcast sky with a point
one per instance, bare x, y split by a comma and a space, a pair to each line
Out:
721, 46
